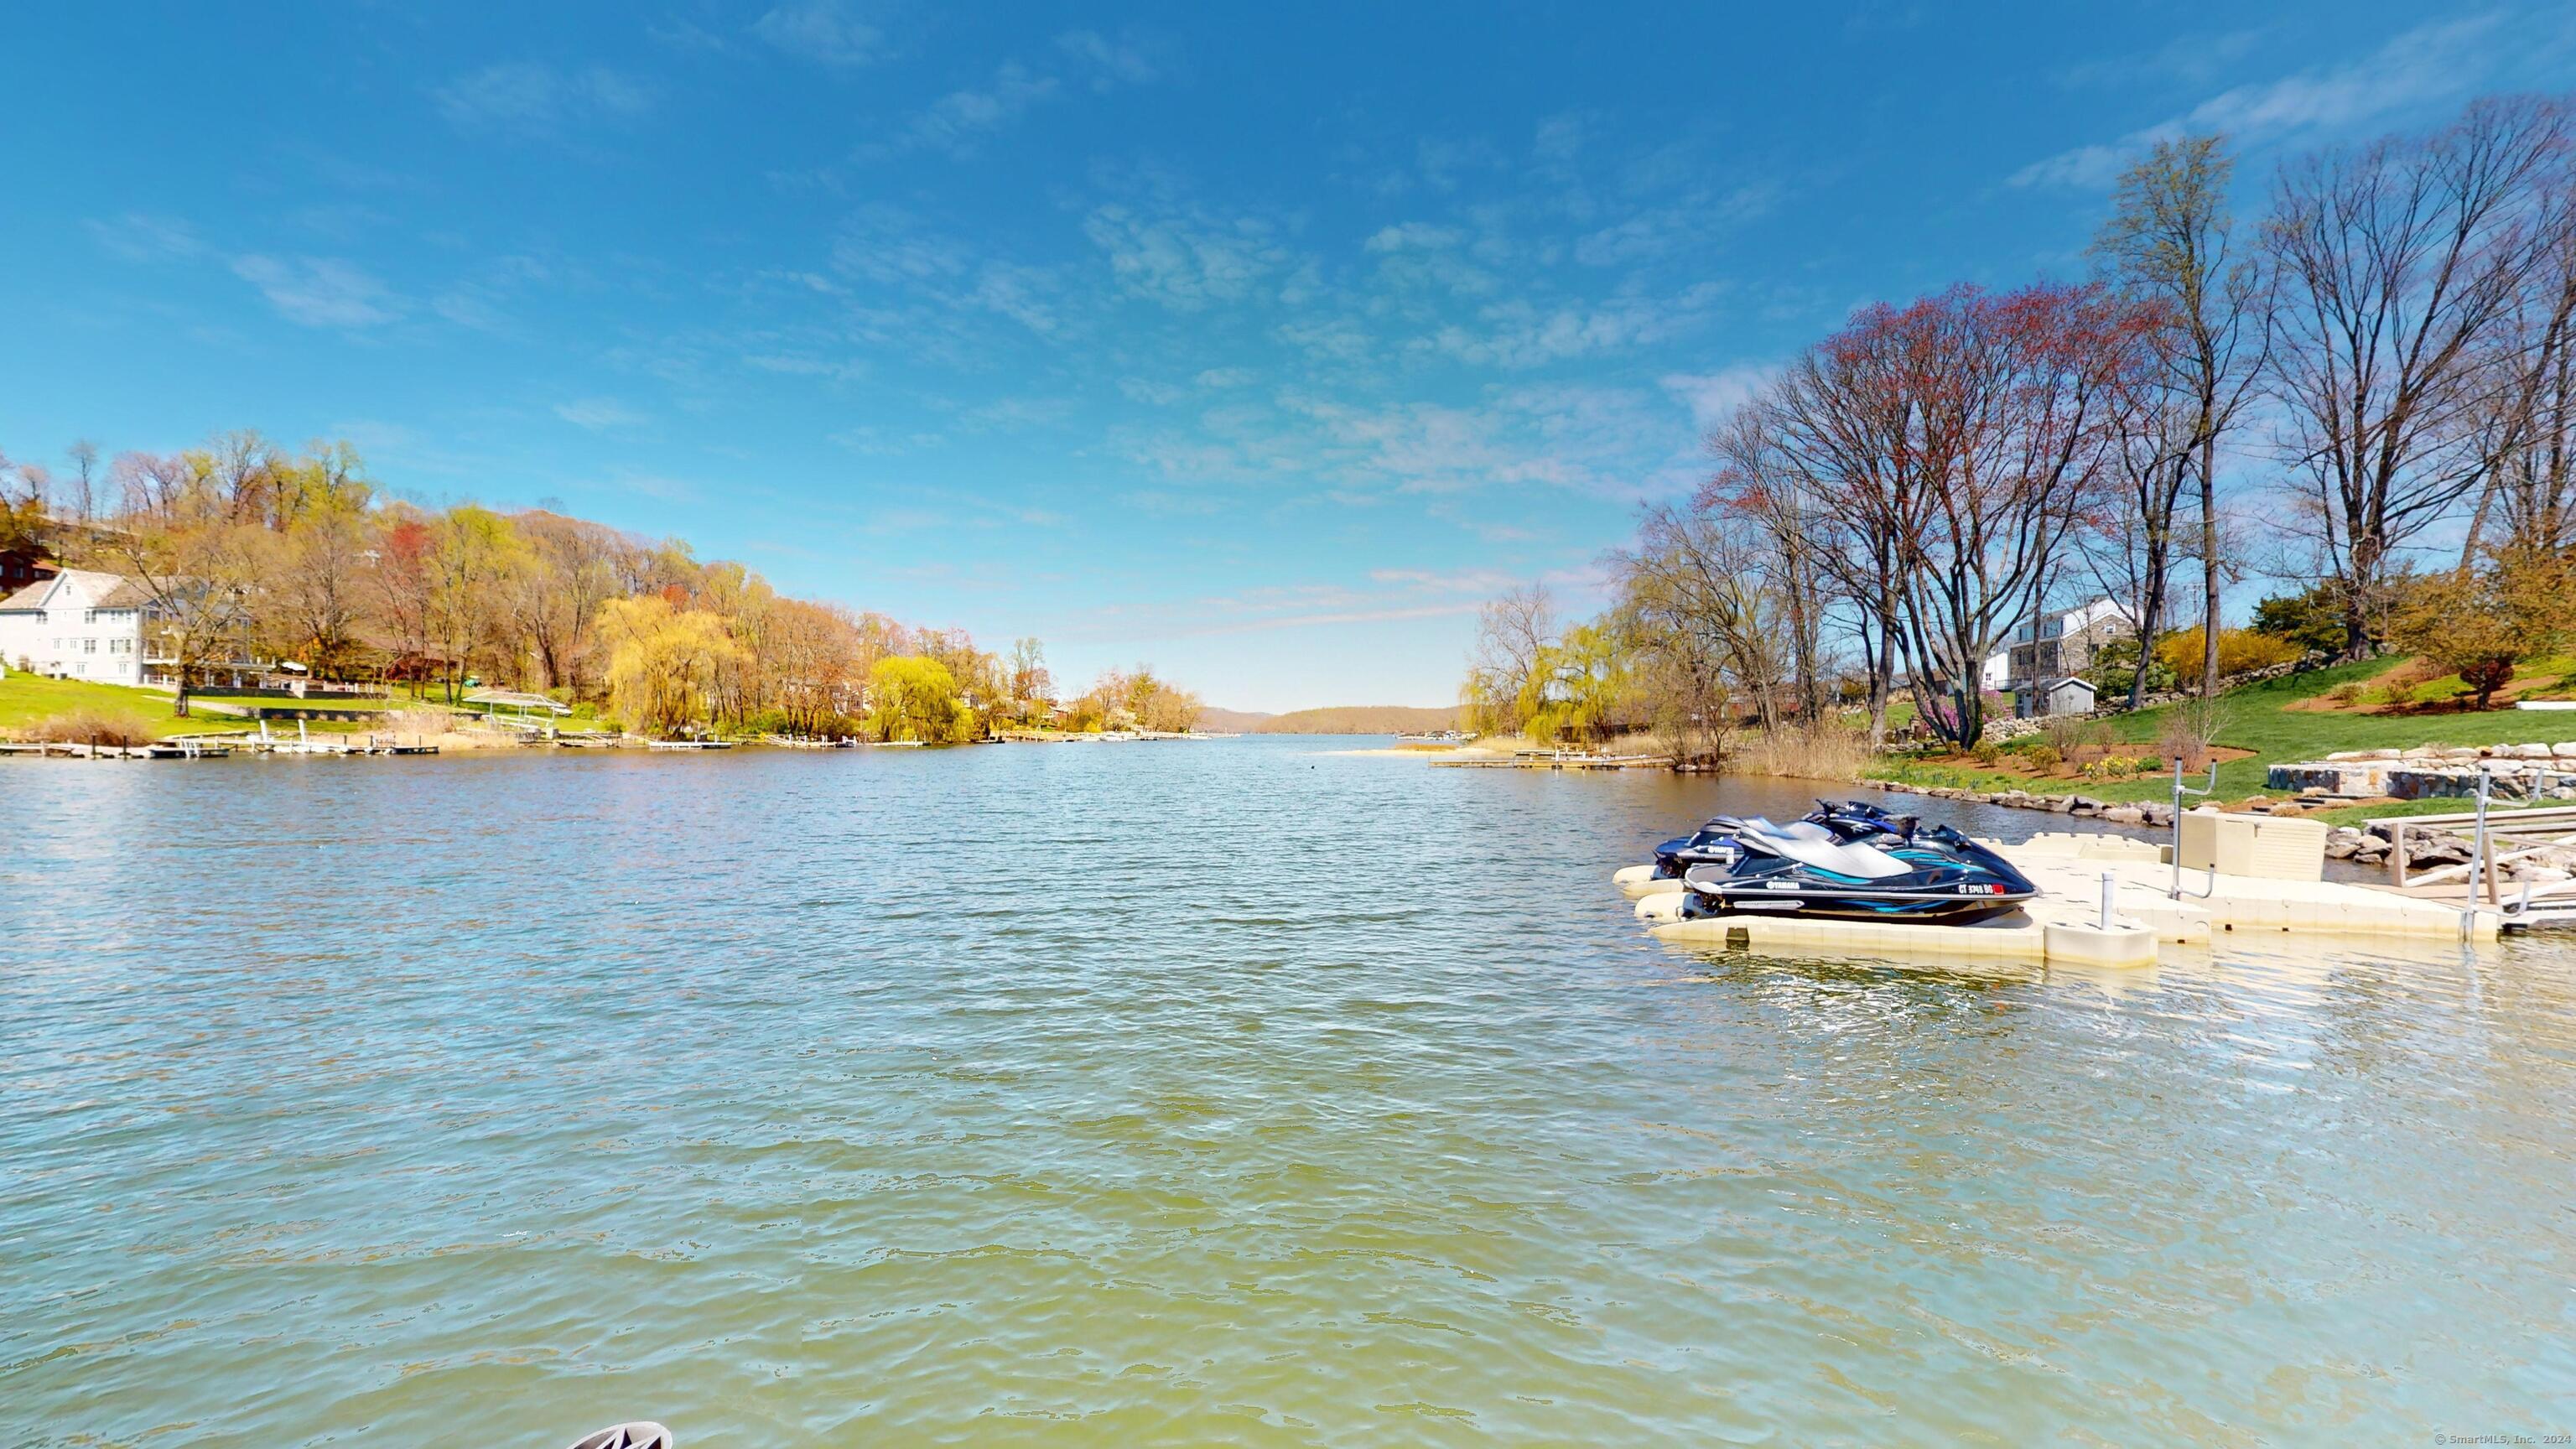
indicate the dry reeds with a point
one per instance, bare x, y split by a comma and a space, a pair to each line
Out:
1808, 752
88, 727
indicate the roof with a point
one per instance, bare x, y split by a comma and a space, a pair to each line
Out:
102, 590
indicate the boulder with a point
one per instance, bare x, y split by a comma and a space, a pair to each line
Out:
2125, 815
2564, 749
2427, 849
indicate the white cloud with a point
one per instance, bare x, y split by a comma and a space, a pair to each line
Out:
1662, 230
1185, 262
319, 291
885, 243
525, 96
1019, 293
1418, 235
599, 414
136, 237
1712, 396
2428, 63
1110, 63
1147, 390
955, 121
1518, 333
823, 31
1226, 377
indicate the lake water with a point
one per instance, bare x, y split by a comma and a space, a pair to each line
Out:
1234, 1091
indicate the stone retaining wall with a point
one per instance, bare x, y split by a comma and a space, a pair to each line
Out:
2435, 772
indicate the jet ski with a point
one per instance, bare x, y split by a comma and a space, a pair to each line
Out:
1831, 822
1920, 873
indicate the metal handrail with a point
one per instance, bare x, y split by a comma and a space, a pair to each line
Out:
2175, 891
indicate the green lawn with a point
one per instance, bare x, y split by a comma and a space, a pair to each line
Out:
2258, 720
26, 700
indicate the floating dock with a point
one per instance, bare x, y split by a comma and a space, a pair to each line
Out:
2068, 921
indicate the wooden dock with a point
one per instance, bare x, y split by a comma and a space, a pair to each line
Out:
1558, 760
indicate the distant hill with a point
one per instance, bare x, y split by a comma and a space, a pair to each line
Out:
1347, 719
1232, 721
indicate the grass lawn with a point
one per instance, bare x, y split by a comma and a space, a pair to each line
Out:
2258, 719
27, 700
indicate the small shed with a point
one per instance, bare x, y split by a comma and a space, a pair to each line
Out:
2068, 696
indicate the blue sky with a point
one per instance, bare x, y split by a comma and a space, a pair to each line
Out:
1260, 344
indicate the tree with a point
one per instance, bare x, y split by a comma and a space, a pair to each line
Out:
476, 553
2479, 624
1511, 633
1953, 444
1578, 687
316, 597
1032, 687
2396, 263
2170, 245
662, 663
177, 539
1697, 601
911, 697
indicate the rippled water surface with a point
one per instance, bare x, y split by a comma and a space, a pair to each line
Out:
1236, 1091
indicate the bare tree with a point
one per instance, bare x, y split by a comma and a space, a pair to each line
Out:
2395, 263
2170, 245
1511, 633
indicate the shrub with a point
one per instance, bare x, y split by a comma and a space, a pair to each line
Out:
2190, 728
2068, 733
2043, 756
1988, 753
88, 727
2239, 651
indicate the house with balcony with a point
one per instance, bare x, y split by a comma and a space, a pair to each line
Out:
2054, 648
77, 624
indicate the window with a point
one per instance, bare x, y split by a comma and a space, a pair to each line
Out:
89, 646
120, 646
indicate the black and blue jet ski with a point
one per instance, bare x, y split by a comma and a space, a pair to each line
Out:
1921, 873
1716, 842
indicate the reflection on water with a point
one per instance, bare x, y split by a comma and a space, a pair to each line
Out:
1234, 1091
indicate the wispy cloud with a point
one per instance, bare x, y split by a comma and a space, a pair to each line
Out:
1713, 396
1187, 262
137, 237
1107, 63
826, 32
599, 414
527, 97
959, 119
319, 291
2430, 62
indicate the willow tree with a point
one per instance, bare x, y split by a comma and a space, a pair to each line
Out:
663, 662
911, 697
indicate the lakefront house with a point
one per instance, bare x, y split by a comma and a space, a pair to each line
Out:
76, 625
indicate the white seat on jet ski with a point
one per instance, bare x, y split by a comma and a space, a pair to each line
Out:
1851, 859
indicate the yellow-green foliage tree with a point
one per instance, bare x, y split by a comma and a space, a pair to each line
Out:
663, 662
2479, 624
1579, 687
914, 698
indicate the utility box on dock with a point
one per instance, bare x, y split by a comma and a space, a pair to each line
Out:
2253, 845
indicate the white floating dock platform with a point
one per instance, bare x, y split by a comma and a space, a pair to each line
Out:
2065, 922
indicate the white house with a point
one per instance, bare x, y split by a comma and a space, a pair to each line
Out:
76, 625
